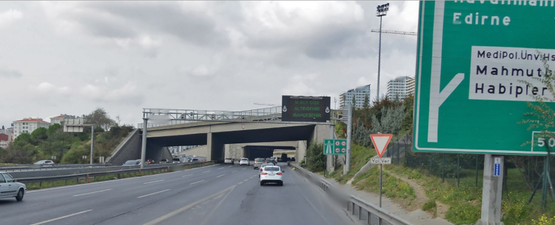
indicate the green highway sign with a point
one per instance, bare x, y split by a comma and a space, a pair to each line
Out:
335, 146
474, 60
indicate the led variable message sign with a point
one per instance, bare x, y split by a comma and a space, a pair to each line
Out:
305, 108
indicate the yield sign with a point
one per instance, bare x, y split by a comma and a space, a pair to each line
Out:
380, 142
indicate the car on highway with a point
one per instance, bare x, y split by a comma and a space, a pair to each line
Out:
45, 163
9, 188
229, 161
164, 161
271, 160
149, 161
132, 162
258, 162
271, 174
244, 161
262, 167
176, 160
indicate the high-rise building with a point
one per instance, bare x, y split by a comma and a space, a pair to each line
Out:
359, 94
28, 125
400, 87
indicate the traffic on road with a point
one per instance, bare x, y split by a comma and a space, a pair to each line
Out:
217, 194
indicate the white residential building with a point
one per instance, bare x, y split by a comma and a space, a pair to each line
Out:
59, 119
359, 93
28, 125
400, 88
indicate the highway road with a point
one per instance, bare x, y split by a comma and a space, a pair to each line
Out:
212, 195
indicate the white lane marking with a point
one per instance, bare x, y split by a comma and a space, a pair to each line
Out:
221, 175
158, 192
187, 175
154, 181
244, 168
200, 181
240, 182
184, 208
233, 171
206, 171
229, 166
62, 217
221, 168
90, 193
246, 180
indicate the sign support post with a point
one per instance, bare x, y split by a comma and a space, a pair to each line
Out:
92, 144
349, 127
492, 190
143, 146
380, 142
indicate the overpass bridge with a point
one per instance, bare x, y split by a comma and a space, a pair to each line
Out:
215, 129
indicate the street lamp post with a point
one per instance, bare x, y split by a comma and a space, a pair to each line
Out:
381, 11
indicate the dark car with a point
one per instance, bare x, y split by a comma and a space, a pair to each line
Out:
133, 162
164, 161
271, 160
149, 161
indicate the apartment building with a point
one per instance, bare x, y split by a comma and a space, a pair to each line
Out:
28, 125
400, 87
359, 94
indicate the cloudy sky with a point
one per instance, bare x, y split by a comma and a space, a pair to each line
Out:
73, 57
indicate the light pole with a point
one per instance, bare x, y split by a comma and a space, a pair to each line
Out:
381, 11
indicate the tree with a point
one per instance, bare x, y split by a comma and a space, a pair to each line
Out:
409, 115
100, 119
316, 158
39, 135
541, 117
366, 104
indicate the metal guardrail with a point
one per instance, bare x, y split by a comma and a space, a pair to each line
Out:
122, 170
368, 212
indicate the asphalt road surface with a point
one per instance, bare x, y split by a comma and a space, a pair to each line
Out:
218, 194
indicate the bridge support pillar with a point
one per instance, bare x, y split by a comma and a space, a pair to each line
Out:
209, 145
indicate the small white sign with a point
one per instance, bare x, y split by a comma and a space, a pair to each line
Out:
378, 160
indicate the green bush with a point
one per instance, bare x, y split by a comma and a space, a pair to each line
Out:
430, 206
464, 213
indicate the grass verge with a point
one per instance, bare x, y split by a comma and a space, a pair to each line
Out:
360, 155
392, 187
466, 199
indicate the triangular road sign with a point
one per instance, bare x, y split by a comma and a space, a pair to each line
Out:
380, 142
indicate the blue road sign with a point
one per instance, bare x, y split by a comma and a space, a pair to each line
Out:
497, 166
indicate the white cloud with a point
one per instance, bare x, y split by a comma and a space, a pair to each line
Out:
50, 89
126, 94
9, 17
300, 85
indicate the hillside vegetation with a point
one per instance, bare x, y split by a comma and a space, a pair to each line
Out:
67, 148
453, 181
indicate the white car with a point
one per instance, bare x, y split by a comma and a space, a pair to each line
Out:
244, 161
45, 163
10, 189
271, 174
228, 161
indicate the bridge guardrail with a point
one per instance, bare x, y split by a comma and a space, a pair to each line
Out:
93, 175
370, 213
